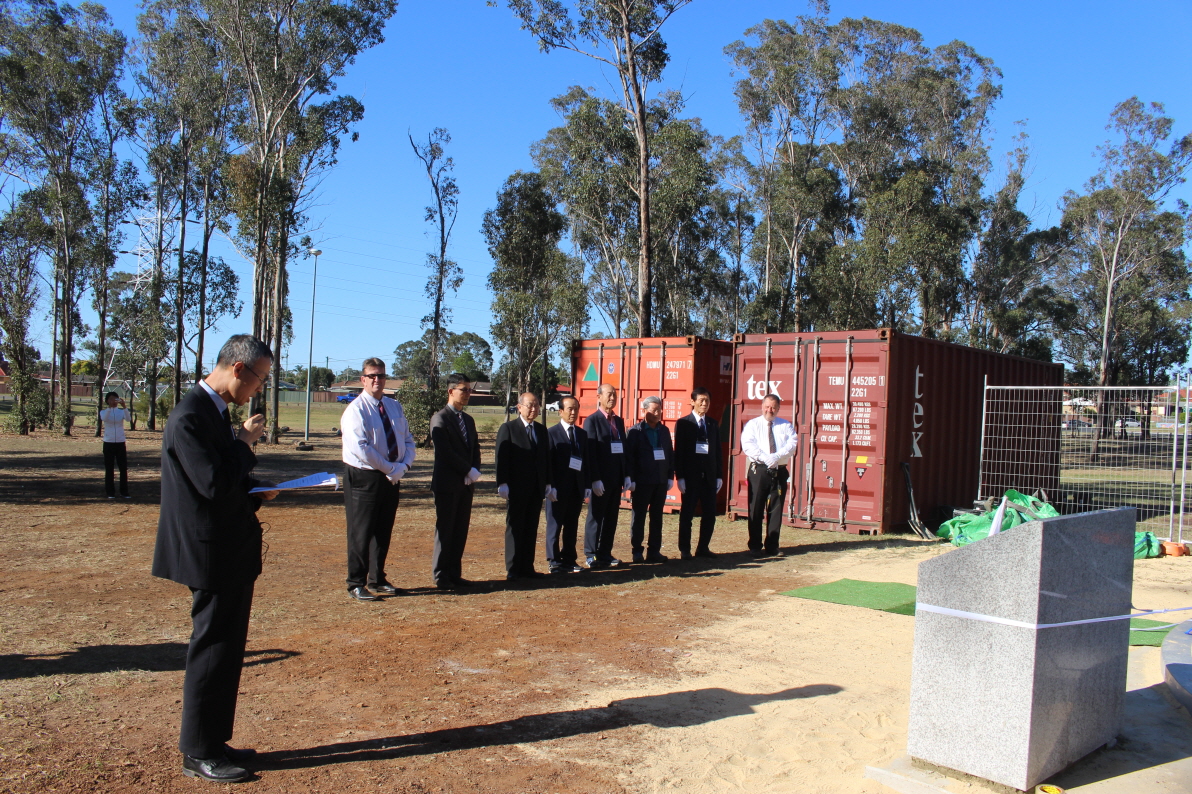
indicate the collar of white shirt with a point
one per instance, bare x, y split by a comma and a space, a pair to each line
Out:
220, 405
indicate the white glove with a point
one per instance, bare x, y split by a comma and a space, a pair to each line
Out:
503, 491
598, 488
587, 494
398, 472
473, 476
627, 485
547, 494
670, 484
719, 485
682, 486
553, 495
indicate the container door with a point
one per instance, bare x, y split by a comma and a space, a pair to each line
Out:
842, 462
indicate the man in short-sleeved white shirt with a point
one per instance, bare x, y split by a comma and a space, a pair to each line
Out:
378, 450
768, 441
115, 453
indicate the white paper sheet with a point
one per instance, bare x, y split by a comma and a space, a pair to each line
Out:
310, 481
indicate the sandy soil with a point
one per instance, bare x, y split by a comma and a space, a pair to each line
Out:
687, 677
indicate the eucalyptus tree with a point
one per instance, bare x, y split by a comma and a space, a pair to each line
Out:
624, 35
54, 61
283, 54
1120, 233
538, 292
117, 191
445, 274
589, 166
25, 239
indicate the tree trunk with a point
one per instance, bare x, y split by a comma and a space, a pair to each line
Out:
179, 298
208, 229
279, 294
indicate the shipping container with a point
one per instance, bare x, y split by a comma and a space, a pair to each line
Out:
864, 403
664, 367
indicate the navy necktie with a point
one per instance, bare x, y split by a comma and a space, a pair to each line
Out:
390, 436
530, 433
463, 428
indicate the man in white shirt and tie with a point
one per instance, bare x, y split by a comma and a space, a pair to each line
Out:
378, 450
768, 441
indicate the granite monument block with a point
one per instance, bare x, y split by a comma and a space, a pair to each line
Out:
995, 692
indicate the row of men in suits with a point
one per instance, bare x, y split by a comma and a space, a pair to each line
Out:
596, 464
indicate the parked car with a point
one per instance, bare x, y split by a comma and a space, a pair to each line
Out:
553, 406
1129, 423
345, 398
1075, 424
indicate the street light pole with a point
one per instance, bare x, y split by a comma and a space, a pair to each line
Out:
311, 350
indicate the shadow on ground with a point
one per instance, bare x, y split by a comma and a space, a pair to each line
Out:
156, 657
671, 710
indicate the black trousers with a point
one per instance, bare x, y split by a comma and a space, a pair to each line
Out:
767, 493
115, 454
601, 528
453, 516
213, 661
702, 493
562, 529
647, 501
521, 530
371, 504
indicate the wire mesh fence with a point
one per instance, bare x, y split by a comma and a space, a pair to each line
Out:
1090, 448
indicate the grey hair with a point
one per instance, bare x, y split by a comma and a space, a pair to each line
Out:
521, 398
243, 349
651, 401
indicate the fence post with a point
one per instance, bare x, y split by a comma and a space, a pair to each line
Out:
1175, 435
1184, 468
984, 406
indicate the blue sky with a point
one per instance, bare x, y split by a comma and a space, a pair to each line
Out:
462, 65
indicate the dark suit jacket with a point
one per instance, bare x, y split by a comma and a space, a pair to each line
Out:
525, 469
208, 536
610, 469
639, 454
570, 483
687, 463
453, 458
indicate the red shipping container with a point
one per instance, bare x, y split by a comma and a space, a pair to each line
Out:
863, 403
665, 367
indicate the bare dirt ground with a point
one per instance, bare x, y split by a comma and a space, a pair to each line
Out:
684, 676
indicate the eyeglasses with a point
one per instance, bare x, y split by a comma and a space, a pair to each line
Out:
464, 389
374, 376
254, 373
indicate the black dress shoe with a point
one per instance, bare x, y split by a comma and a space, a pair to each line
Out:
462, 582
361, 594
513, 577
777, 553
639, 556
239, 755
219, 770
684, 555
532, 574
445, 584
655, 556
385, 589
757, 553
707, 553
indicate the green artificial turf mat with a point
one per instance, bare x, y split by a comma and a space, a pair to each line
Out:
883, 596
1148, 637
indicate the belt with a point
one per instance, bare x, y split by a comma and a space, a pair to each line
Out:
760, 465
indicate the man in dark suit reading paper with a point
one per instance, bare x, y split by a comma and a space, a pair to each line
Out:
209, 539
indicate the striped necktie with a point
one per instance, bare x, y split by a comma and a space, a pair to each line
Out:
390, 436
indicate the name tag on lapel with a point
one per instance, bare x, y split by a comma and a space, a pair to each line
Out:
660, 454
617, 448
701, 448
576, 463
